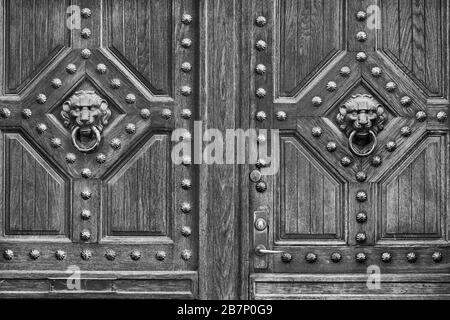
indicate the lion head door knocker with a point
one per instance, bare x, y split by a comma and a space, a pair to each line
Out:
86, 114
361, 118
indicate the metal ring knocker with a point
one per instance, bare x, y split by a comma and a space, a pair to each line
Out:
83, 149
355, 151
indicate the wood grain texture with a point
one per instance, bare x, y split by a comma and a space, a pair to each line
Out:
140, 33
138, 196
411, 196
37, 200
35, 33
309, 35
310, 206
413, 34
219, 185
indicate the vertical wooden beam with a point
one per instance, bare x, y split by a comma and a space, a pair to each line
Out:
222, 190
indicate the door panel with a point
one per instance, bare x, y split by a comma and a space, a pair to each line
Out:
87, 114
364, 142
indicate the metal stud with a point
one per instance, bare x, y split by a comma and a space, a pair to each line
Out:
101, 68
411, 257
186, 231
186, 207
130, 128
261, 21
421, 116
376, 161
26, 114
85, 12
186, 184
361, 237
391, 86
331, 86
166, 114
130, 98
86, 33
8, 254
391, 146
311, 257
86, 254
186, 91
145, 114
361, 217
261, 139
115, 83
316, 101
86, 173
186, 114
405, 101
60, 255
186, 255
316, 132
34, 254
331, 146
261, 116
71, 68
336, 257
361, 56
116, 143
361, 196
160, 255
86, 53
345, 71
442, 116
5, 113
55, 143
186, 43
261, 187
85, 235
261, 163
41, 128
361, 257
346, 161
260, 69
86, 194
406, 131
71, 158
186, 19
261, 93
286, 257
135, 255
41, 98
110, 255
361, 15
186, 67
386, 257
261, 45
56, 83
361, 176
85, 214
281, 116
437, 257
100, 158
376, 72
361, 36
186, 161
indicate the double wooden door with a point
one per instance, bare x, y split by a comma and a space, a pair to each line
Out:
91, 91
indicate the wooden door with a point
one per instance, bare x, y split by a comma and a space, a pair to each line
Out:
90, 92
361, 105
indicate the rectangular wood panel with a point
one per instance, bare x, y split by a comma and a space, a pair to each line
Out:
36, 195
411, 197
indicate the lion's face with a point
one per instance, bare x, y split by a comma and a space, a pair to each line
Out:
361, 113
85, 110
